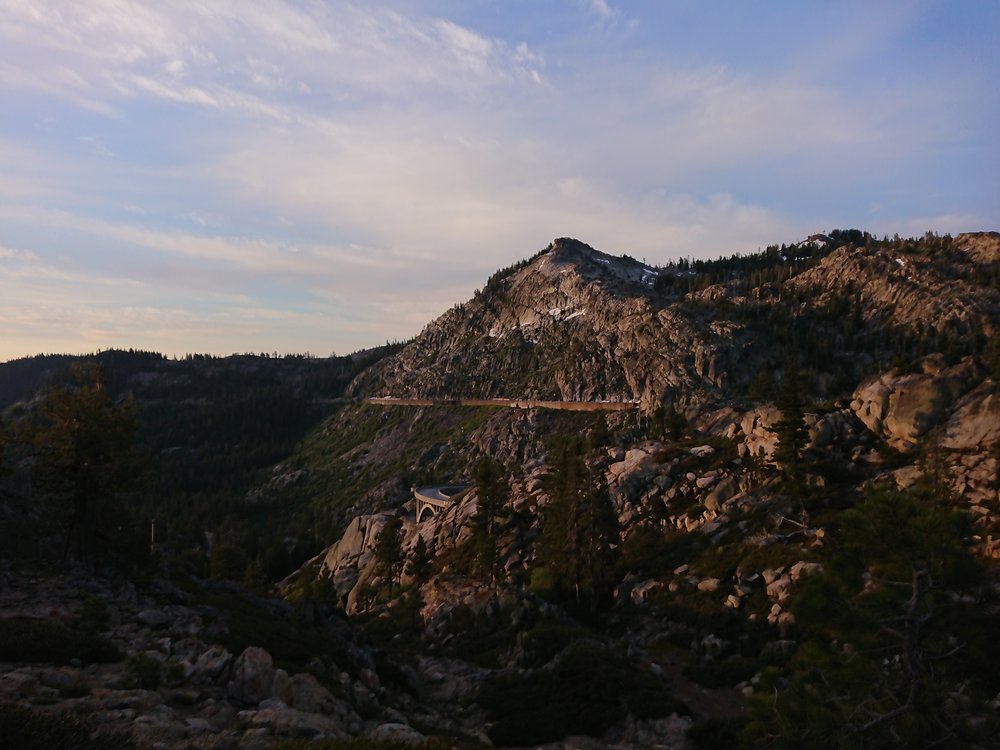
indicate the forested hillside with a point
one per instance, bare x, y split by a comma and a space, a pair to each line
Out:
209, 429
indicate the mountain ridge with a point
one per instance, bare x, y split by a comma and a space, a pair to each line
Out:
577, 324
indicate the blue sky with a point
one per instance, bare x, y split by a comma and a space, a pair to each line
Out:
321, 176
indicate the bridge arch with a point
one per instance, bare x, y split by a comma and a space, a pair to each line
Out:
431, 500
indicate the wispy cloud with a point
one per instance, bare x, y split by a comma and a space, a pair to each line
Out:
221, 55
602, 9
294, 173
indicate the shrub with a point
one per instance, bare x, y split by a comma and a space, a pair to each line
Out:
26, 730
547, 639
93, 615
715, 733
585, 691
726, 673
143, 671
25, 639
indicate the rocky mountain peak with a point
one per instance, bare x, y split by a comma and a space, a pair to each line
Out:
567, 255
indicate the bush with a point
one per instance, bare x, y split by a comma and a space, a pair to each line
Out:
291, 642
715, 733
479, 637
726, 673
93, 616
25, 639
143, 671
547, 639
585, 691
26, 730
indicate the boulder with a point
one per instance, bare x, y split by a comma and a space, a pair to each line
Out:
975, 422
153, 618
396, 733
210, 665
253, 676
358, 537
722, 492
902, 408
308, 695
778, 589
289, 722
802, 569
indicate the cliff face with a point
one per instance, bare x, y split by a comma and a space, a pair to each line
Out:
577, 324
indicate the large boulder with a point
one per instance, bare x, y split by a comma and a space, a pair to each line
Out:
901, 408
397, 734
253, 676
975, 422
283, 721
358, 537
724, 490
210, 666
308, 695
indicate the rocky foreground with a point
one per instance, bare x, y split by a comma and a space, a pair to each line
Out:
154, 662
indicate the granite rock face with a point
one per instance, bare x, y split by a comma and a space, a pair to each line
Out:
902, 408
589, 317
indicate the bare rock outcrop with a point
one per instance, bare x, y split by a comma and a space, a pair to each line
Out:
975, 422
901, 408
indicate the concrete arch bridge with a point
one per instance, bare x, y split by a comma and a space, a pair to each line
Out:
431, 500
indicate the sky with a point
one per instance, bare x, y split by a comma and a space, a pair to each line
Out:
319, 176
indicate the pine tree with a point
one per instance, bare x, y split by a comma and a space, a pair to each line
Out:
579, 541
598, 544
658, 423
4, 442
389, 551
991, 355
791, 428
898, 661
84, 459
419, 564
491, 496
675, 422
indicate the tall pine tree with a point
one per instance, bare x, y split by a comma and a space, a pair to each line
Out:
389, 551
580, 536
84, 458
791, 428
491, 495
